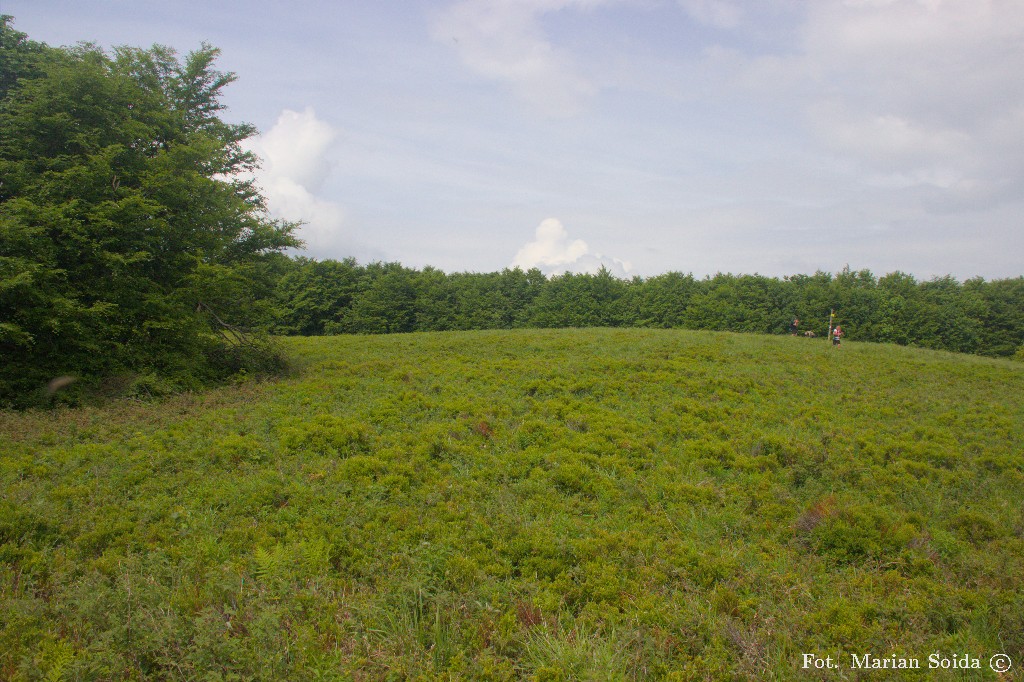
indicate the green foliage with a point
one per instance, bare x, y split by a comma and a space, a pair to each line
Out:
329, 297
855, 534
553, 504
122, 208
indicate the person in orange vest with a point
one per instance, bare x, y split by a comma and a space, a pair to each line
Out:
837, 334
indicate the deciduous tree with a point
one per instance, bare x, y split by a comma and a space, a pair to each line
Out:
125, 204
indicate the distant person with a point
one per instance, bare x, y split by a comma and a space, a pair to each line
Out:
837, 334
794, 325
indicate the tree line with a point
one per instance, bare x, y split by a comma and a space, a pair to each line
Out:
134, 242
314, 297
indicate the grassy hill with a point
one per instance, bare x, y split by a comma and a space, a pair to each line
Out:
567, 504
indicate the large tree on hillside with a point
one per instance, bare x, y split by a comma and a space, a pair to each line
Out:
123, 207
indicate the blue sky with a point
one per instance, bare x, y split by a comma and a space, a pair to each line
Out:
703, 136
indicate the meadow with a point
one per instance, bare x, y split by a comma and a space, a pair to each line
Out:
576, 504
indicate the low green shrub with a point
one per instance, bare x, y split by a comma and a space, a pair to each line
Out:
588, 504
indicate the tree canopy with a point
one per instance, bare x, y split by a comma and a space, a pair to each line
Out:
327, 297
127, 214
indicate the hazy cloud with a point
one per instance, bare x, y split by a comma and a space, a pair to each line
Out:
553, 252
717, 13
503, 40
926, 89
890, 140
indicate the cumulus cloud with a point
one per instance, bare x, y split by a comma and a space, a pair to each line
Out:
295, 156
553, 252
503, 40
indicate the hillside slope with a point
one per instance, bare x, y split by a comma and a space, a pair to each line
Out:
564, 504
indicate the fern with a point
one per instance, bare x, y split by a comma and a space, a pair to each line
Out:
269, 563
313, 556
56, 658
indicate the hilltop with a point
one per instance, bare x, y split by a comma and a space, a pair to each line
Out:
546, 504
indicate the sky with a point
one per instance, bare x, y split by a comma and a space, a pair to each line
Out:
776, 137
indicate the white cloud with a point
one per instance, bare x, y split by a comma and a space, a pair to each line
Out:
295, 164
504, 41
296, 148
553, 253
